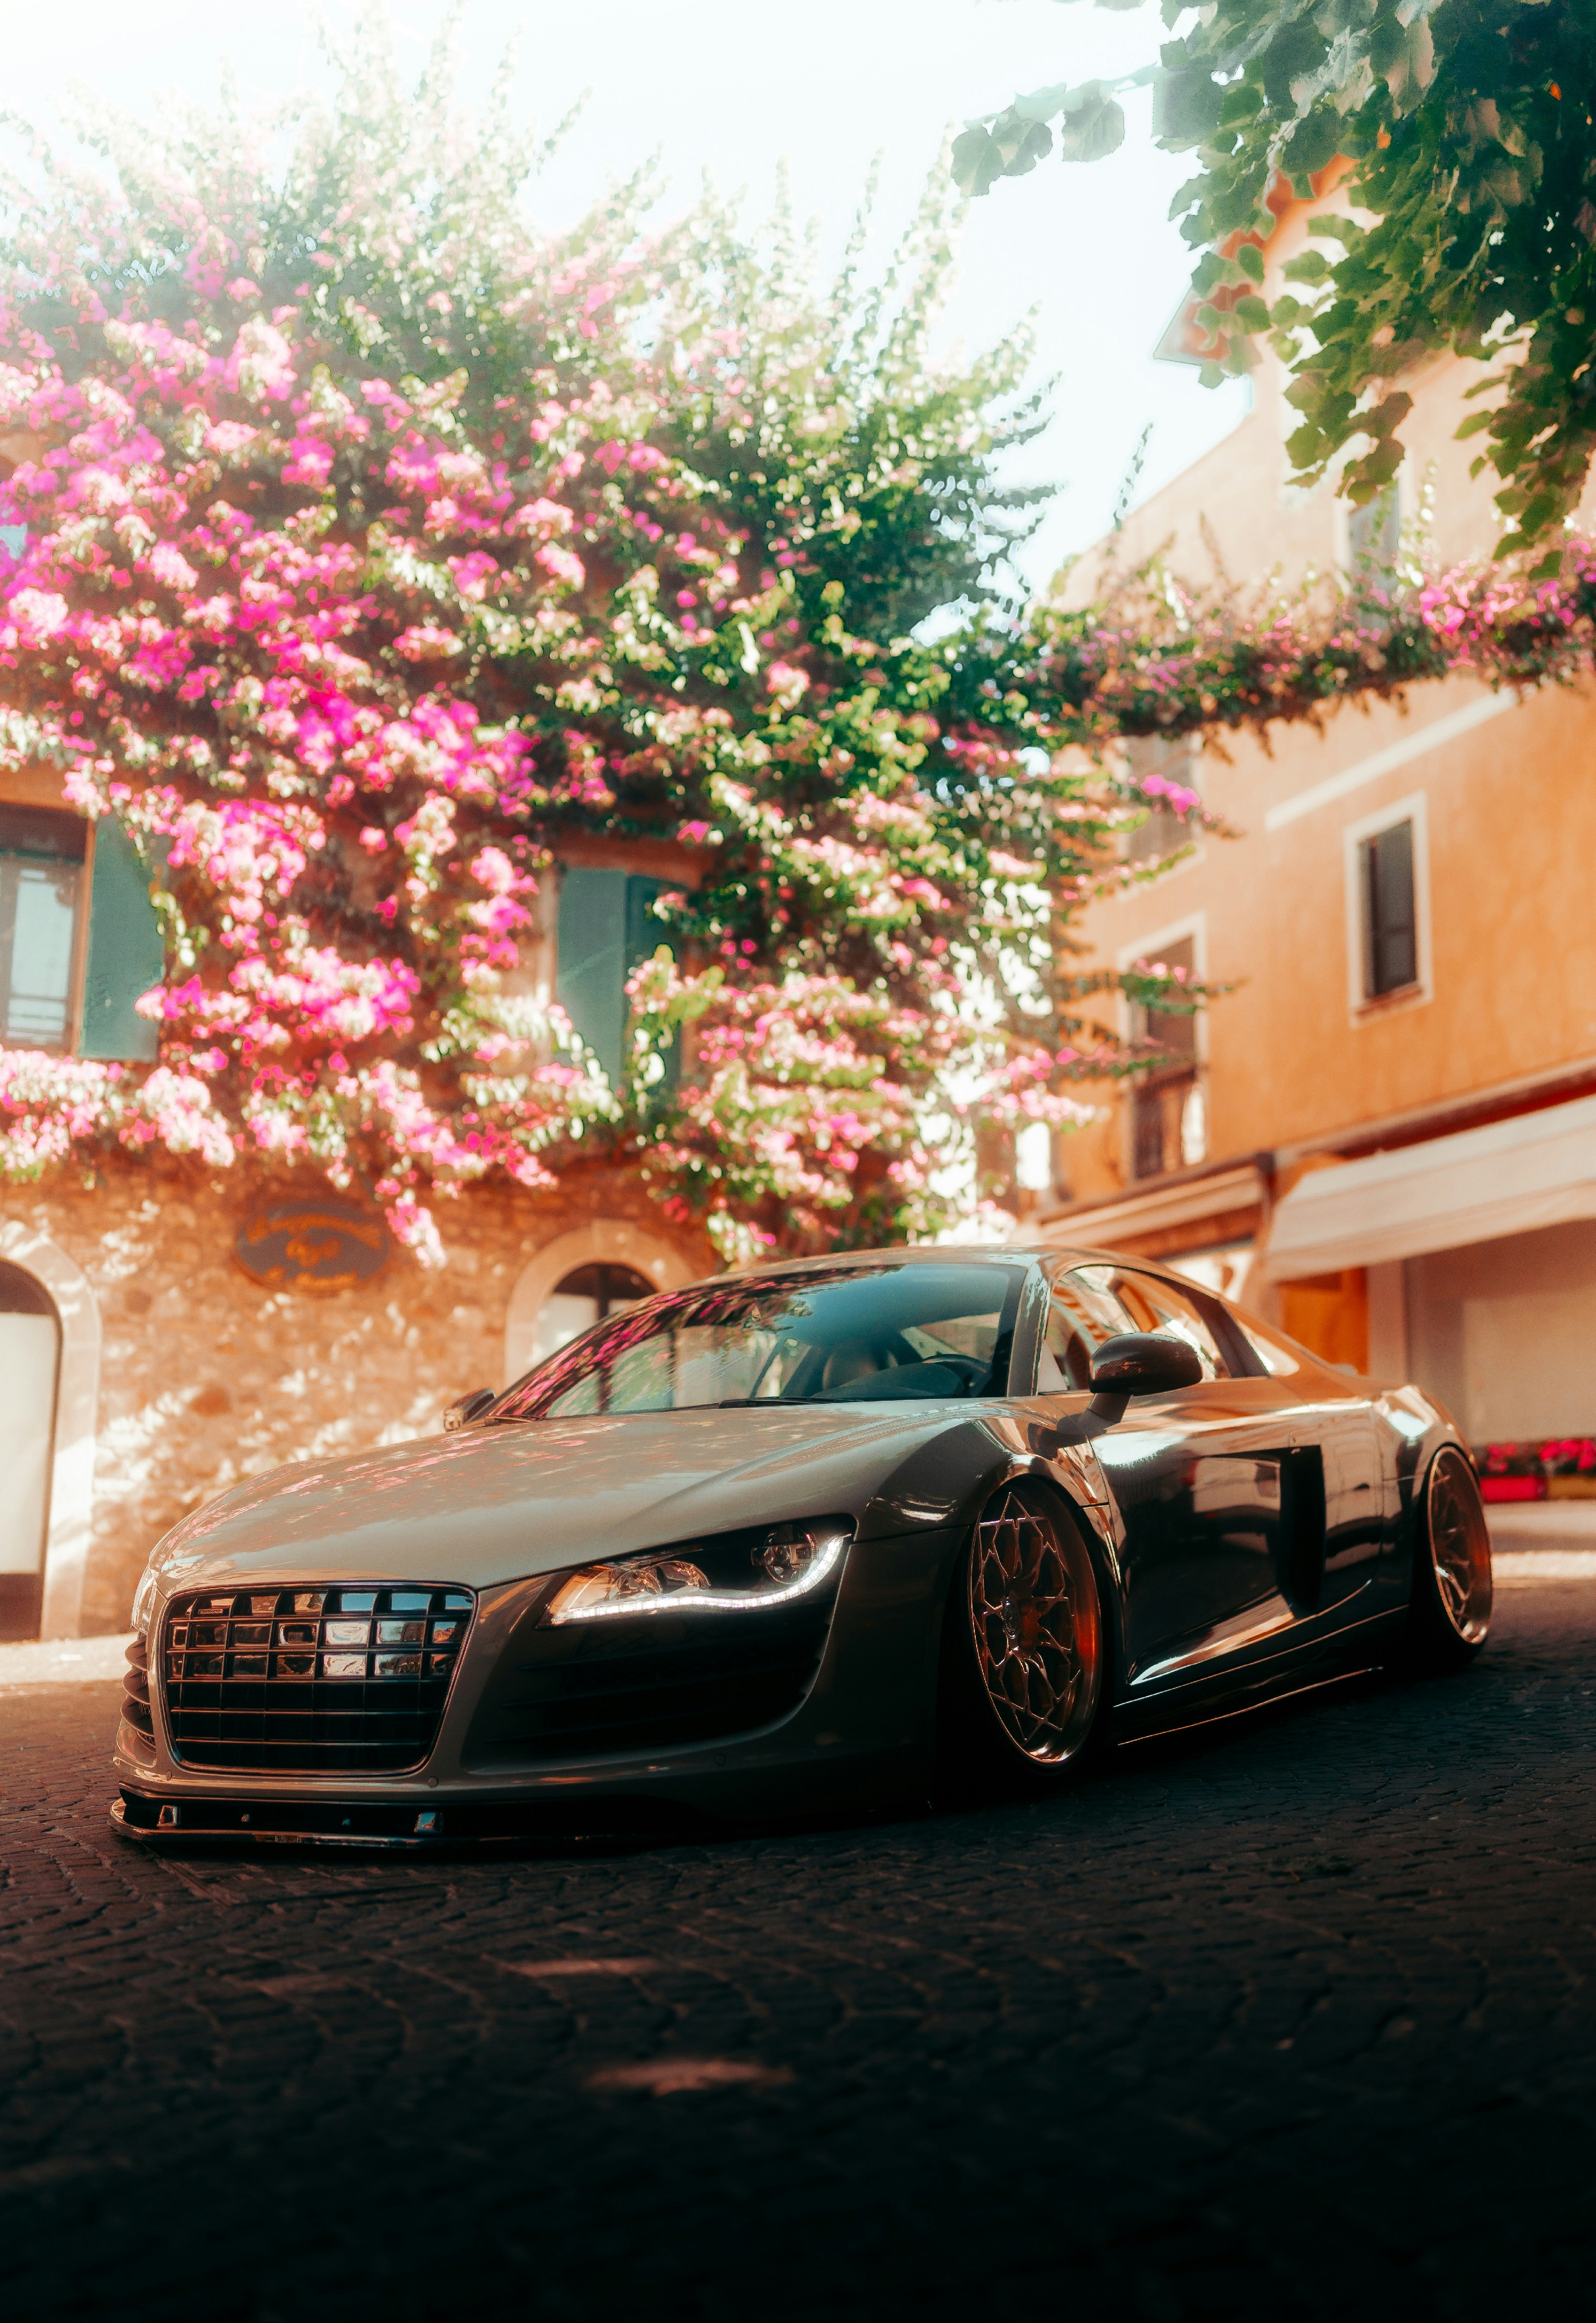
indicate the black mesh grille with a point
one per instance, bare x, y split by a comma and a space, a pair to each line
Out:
645, 1685
299, 1681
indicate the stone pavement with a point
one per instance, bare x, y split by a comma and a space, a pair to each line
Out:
1296, 2020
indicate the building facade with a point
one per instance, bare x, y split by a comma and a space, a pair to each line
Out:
1385, 1134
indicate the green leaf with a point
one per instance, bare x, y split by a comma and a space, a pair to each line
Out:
1403, 56
1313, 266
1252, 313
1472, 424
1294, 54
1092, 133
1041, 104
1185, 104
1009, 149
1376, 469
1386, 416
1249, 259
1315, 142
977, 164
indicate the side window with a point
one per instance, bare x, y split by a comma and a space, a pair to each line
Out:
1094, 1303
1082, 1312
1273, 1350
1158, 1306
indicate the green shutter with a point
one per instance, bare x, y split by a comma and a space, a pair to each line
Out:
126, 955
590, 980
644, 937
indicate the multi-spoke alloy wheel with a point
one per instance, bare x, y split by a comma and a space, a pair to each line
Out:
1459, 1544
1037, 1627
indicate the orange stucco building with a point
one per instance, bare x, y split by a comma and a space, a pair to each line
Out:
1386, 1132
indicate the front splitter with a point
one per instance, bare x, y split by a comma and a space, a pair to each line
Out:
167, 1826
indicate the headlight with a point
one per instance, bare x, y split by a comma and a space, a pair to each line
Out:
734, 1573
143, 1598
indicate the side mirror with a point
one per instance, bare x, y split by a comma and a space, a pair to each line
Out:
467, 1408
1140, 1363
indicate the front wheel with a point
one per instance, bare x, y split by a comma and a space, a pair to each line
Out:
1024, 1651
1452, 1585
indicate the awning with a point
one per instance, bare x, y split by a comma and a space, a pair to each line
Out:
1192, 1202
1537, 1170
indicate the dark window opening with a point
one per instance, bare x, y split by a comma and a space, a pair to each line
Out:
607, 1287
582, 1298
1391, 918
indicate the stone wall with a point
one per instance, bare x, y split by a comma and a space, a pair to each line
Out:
206, 1377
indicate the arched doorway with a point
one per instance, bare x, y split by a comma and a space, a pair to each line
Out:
30, 1369
581, 1298
578, 1278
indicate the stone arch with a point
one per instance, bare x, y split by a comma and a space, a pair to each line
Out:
76, 1410
613, 1242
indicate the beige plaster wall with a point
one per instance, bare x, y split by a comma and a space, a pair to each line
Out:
1510, 806
205, 1377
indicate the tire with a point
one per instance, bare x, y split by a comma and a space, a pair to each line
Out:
1450, 1616
1025, 1652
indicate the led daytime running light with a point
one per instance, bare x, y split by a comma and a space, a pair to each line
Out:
577, 1600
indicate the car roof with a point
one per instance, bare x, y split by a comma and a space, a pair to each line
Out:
965, 1254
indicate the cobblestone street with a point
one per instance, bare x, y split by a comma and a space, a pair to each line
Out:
1295, 2020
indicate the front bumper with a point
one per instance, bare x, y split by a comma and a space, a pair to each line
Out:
862, 1738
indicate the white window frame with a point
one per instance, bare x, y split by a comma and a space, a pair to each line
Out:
1360, 1007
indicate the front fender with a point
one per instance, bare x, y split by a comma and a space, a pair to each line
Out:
945, 1483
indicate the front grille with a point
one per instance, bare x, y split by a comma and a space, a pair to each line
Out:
310, 1681
663, 1679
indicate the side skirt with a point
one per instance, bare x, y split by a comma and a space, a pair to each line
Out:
1353, 1653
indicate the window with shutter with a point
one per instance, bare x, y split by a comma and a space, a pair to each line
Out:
606, 928
1391, 941
1164, 834
42, 855
126, 955
1167, 1125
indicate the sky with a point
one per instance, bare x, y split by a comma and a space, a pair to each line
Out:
735, 88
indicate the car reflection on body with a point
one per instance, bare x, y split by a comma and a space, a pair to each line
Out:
798, 1538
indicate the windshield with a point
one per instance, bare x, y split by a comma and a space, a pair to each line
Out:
848, 1335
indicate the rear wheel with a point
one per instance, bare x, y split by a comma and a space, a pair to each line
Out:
1025, 1655
1452, 1587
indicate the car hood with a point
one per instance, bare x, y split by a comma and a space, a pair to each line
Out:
496, 1504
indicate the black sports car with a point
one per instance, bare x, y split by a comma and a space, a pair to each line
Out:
791, 1536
